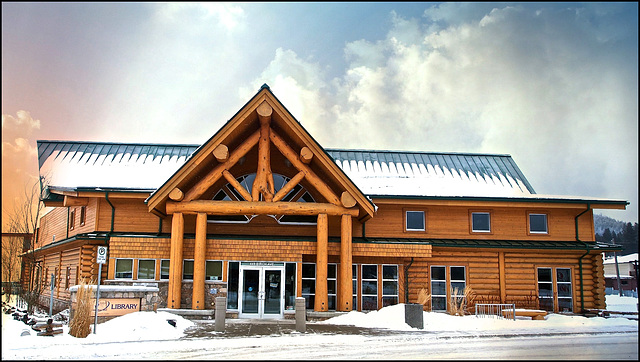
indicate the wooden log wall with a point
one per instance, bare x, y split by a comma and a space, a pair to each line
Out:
453, 222
53, 223
520, 274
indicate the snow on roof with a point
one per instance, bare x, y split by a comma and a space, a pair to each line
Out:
73, 165
401, 173
622, 259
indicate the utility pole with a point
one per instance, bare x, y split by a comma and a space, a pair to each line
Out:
615, 255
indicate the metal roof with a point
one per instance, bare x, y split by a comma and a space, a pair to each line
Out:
144, 167
73, 165
404, 173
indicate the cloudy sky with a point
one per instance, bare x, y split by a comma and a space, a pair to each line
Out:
555, 85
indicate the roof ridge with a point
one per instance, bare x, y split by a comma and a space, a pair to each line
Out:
417, 152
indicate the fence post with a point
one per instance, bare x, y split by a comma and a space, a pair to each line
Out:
221, 313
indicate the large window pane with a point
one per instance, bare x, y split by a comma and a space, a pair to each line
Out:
438, 288
389, 285
290, 286
187, 270
232, 284
164, 269
213, 270
369, 287
309, 284
124, 269
146, 269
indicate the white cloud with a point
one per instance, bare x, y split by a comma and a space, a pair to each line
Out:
533, 83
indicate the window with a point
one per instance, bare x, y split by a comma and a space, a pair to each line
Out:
332, 283
72, 219
83, 215
290, 286
414, 221
309, 283
457, 284
187, 270
67, 278
563, 281
545, 288
146, 269
481, 222
164, 269
124, 269
233, 278
369, 285
389, 285
538, 223
354, 282
438, 288
213, 270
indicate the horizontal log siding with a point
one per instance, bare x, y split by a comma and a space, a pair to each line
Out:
90, 218
483, 274
453, 222
131, 215
53, 223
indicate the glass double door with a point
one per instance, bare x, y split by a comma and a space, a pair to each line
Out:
261, 291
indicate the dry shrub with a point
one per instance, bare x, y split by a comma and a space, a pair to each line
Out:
80, 324
458, 301
424, 297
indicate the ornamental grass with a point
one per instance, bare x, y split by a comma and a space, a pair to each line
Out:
80, 324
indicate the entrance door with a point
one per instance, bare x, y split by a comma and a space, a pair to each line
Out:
261, 290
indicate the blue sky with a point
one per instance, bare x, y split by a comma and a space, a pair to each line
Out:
555, 85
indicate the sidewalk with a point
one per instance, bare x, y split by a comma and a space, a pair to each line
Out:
241, 328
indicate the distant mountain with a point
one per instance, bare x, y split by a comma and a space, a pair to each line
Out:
603, 222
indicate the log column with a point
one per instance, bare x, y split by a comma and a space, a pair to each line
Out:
345, 296
175, 263
322, 297
199, 263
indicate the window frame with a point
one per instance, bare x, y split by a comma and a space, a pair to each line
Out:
546, 223
168, 269
472, 228
206, 275
406, 220
138, 269
397, 283
362, 289
72, 219
310, 296
115, 269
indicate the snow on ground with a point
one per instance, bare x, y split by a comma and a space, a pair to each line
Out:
111, 336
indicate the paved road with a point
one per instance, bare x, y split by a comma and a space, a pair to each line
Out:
607, 346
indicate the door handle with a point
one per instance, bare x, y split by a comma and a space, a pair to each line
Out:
261, 295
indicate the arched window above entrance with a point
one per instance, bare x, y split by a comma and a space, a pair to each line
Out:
297, 194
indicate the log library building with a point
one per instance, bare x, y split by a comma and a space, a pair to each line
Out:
261, 214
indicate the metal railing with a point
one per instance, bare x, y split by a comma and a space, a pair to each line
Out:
496, 310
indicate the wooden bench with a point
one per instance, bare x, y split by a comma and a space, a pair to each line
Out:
48, 329
537, 315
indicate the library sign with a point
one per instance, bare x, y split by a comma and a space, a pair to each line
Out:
111, 307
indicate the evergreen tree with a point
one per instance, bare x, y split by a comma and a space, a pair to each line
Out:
606, 236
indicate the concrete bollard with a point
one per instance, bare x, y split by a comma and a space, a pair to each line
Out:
221, 313
301, 315
413, 315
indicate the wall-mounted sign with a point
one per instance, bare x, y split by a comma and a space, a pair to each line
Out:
261, 263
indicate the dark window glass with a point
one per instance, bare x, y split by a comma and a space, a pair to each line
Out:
481, 221
415, 220
232, 285
537, 223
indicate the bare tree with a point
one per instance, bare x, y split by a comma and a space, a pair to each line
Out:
24, 219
